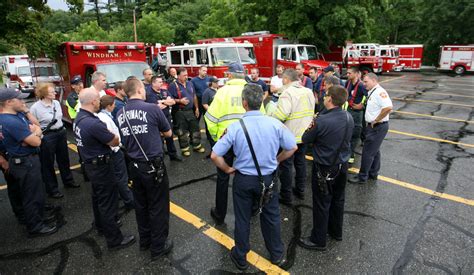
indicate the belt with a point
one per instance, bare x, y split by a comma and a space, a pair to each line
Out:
24, 156
55, 130
377, 124
158, 158
102, 159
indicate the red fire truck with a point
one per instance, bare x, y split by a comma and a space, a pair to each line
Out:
116, 59
389, 55
274, 49
457, 58
410, 56
216, 56
366, 56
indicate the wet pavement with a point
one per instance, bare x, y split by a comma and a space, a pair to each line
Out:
417, 218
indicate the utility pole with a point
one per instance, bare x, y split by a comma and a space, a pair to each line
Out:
135, 25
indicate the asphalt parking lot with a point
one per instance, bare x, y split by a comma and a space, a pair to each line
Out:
417, 218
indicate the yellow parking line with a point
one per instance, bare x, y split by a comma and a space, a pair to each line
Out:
416, 188
253, 258
226, 241
433, 102
431, 138
433, 117
428, 93
392, 79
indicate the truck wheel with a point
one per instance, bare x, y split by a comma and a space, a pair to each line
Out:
459, 70
365, 70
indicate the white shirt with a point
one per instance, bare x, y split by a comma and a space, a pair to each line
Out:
44, 114
276, 82
378, 99
106, 118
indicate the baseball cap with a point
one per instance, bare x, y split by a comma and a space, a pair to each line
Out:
9, 93
76, 80
213, 80
328, 69
235, 67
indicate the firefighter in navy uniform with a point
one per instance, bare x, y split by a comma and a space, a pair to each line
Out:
141, 125
355, 106
156, 95
21, 140
93, 142
330, 134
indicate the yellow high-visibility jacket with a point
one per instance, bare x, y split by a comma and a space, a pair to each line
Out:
226, 108
295, 108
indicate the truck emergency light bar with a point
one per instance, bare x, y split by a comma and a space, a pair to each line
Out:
106, 47
11, 60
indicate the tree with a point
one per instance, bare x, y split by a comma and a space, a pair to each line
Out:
154, 29
62, 21
220, 22
89, 31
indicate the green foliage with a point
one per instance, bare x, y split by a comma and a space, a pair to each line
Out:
221, 21
122, 33
62, 21
90, 31
152, 29
185, 18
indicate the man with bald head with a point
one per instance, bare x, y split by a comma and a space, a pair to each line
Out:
93, 142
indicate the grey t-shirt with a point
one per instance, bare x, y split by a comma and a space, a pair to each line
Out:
44, 114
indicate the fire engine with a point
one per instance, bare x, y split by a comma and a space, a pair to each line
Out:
17, 73
216, 56
457, 58
410, 56
118, 60
46, 70
390, 55
366, 56
274, 49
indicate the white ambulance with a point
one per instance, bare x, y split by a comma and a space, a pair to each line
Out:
17, 73
457, 58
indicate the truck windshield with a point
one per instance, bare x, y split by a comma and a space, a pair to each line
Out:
307, 52
120, 71
225, 55
24, 71
45, 71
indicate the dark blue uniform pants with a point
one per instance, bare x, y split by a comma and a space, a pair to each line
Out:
357, 117
286, 173
328, 210
370, 164
246, 191
14, 195
104, 200
152, 207
222, 186
169, 141
120, 170
27, 174
54, 146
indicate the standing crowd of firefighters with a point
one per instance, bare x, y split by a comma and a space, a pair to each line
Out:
257, 131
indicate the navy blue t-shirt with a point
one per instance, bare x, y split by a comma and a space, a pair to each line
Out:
200, 85
152, 97
91, 135
118, 105
359, 93
187, 92
147, 121
13, 130
259, 82
208, 96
